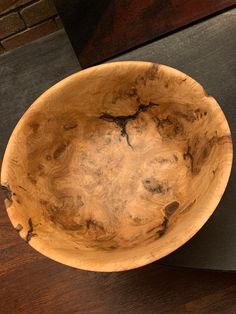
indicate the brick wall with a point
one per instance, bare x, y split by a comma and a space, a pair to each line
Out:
22, 21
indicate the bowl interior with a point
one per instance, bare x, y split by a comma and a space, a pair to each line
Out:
116, 166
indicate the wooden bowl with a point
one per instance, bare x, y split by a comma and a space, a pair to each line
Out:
116, 166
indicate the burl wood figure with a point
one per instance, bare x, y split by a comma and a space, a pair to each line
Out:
116, 166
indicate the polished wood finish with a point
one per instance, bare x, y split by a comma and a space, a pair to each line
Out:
116, 166
101, 29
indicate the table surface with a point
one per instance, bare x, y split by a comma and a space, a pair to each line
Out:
30, 282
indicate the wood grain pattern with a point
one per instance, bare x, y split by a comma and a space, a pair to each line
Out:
116, 166
101, 29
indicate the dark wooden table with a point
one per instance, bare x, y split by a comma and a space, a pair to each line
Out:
31, 283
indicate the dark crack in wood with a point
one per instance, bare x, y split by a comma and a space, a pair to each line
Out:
121, 121
94, 224
18, 228
7, 191
30, 233
171, 208
164, 226
188, 155
153, 185
21, 187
